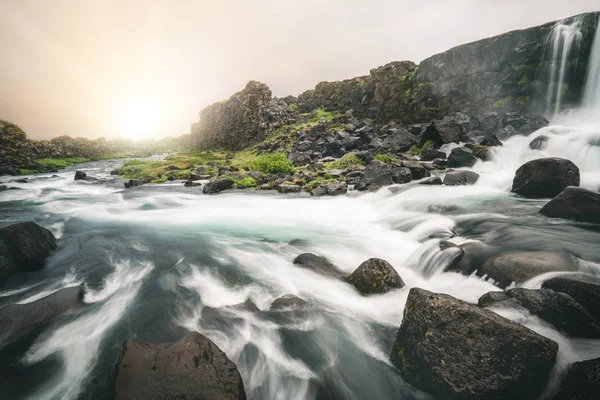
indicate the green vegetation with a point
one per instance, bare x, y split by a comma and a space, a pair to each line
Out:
312, 121
385, 158
312, 185
415, 150
347, 161
522, 100
245, 183
272, 164
24, 171
294, 107
503, 103
524, 80
61, 162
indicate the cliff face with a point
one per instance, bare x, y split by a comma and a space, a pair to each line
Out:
241, 120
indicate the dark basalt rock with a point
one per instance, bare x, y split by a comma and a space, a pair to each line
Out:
440, 131
23, 247
216, 186
430, 154
546, 177
582, 382
559, 309
286, 302
80, 176
331, 189
434, 180
191, 368
506, 267
190, 183
461, 157
289, 188
490, 140
457, 178
19, 320
539, 143
375, 276
583, 288
133, 183
417, 171
455, 350
318, 264
576, 204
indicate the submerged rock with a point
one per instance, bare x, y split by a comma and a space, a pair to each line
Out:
216, 186
23, 247
455, 350
457, 178
191, 368
80, 176
558, 309
133, 183
582, 381
539, 143
318, 264
434, 180
375, 276
546, 177
583, 288
288, 301
576, 204
331, 189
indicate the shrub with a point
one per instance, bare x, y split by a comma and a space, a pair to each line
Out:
247, 182
272, 163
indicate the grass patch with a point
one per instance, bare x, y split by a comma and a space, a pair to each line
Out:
24, 171
415, 150
385, 158
272, 163
245, 183
312, 185
61, 162
347, 161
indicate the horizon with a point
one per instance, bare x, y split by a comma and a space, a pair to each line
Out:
120, 73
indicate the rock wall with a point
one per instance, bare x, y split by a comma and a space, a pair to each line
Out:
243, 119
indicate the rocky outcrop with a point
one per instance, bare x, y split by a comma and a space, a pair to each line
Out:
576, 204
375, 276
15, 149
244, 119
582, 381
545, 177
191, 368
24, 247
583, 288
558, 309
455, 350
318, 264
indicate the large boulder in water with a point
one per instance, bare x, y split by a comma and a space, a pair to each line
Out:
24, 246
80, 176
584, 289
461, 157
546, 177
19, 320
455, 350
217, 185
459, 178
375, 276
318, 264
582, 382
558, 309
191, 368
576, 204
505, 267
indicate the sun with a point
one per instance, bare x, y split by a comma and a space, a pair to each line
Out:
139, 119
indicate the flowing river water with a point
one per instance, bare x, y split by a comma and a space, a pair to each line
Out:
159, 260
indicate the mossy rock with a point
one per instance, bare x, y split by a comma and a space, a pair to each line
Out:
375, 276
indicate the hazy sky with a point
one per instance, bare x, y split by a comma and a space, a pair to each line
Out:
109, 67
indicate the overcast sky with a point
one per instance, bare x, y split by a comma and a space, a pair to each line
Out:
96, 68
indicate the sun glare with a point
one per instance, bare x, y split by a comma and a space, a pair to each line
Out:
139, 119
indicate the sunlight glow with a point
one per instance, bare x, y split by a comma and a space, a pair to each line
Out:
139, 119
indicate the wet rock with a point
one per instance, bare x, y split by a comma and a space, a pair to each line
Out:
190, 183
558, 309
133, 183
318, 264
457, 178
80, 176
582, 381
217, 185
461, 157
364, 156
434, 180
455, 350
539, 143
507, 267
288, 301
507, 132
20, 320
583, 288
532, 124
417, 171
114, 172
375, 276
574, 203
285, 188
490, 140
24, 246
191, 368
331, 189
430, 154
194, 177
171, 178
440, 131
398, 141
545, 177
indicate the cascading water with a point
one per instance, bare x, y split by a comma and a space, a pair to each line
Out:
591, 98
564, 40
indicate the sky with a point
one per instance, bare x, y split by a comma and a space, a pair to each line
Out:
135, 68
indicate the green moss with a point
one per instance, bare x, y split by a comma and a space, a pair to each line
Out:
524, 80
61, 162
159, 180
414, 150
385, 158
245, 183
481, 152
24, 171
272, 163
503, 103
294, 107
523, 100
347, 161
312, 185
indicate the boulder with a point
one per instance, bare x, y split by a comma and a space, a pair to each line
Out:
576, 204
506, 267
461, 157
582, 381
190, 183
583, 288
217, 185
532, 124
440, 131
489, 122
398, 141
375, 276
23, 247
430, 154
285, 188
457, 178
507, 132
417, 171
133, 183
490, 140
20, 320
545, 177
80, 176
365, 156
558, 309
318, 264
286, 302
434, 180
539, 143
191, 368
455, 350
330, 189
195, 177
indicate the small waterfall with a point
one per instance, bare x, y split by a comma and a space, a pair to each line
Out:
563, 40
591, 97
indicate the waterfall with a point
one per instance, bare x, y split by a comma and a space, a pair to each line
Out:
564, 39
591, 97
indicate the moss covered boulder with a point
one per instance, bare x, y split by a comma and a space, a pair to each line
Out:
375, 276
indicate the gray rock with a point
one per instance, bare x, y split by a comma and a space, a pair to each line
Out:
331, 189
217, 185
461, 157
574, 203
583, 288
285, 188
582, 381
80, 176
434, 180
318, 264
430, 154
375, 276
545, 177
457, 178
539, 143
